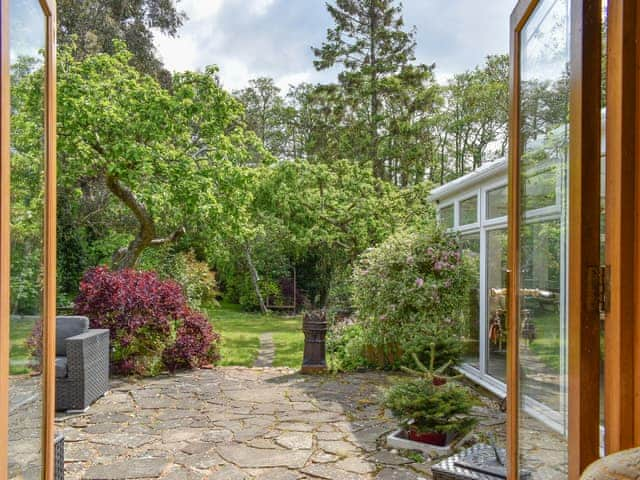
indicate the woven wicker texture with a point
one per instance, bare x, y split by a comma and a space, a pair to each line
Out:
480, 454
58, 452
88, 371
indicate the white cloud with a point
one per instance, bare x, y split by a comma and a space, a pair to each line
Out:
260, 7
296, 78
201, 9
234, 73
179, 54
254, 38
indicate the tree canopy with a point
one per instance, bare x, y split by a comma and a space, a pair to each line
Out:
92, 25
257, 183
168, 159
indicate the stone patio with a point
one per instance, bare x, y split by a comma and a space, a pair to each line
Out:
239, 423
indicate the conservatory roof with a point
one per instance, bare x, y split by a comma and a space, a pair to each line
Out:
486, 172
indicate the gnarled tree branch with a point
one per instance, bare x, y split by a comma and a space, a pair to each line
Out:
127, 257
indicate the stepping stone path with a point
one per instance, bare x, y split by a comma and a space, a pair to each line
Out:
267, 351
242, 424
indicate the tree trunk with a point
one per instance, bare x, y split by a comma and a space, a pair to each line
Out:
254, 278
378, 164
127, 257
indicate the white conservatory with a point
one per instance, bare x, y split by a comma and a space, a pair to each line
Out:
475, 208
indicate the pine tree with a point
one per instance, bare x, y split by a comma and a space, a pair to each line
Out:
370, 42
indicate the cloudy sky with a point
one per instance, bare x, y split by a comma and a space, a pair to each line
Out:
253, 38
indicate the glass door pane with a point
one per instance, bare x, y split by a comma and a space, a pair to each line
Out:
471, 248
543, 160
27, 44
496, 305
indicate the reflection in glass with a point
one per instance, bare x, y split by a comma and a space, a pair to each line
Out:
541, 322
469, 211
471, 248
496, 305
543, 161
27, 43
446, 216
497, 202
539, 187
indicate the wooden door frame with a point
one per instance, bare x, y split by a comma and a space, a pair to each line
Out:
583, 239
49, 254
5, 241
622, 327
50, 243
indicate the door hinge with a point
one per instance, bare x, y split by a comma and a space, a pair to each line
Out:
600, 286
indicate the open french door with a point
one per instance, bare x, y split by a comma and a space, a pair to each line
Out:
554, 168
27, 238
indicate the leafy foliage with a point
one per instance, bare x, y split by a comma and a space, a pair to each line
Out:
472, 126
407, 292
430, 372
144, 164
198, 282
370, 42
27, 186
94, 24
151, 327
316, 218
196, 344
346, 347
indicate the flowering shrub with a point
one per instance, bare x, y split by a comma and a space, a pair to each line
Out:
409, 292
146, 317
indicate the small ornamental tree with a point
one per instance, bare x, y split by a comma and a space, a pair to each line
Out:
150, 323
424, 407
411, 292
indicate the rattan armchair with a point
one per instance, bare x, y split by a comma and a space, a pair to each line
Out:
82, 363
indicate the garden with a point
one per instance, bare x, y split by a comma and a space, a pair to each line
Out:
197, 227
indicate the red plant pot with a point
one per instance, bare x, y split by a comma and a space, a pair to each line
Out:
432, 438
439, 381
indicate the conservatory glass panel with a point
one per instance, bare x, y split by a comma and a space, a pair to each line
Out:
446, 216
471, 248
496, 259
469, 211
497, 202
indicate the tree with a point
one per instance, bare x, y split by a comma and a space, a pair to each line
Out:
93, 25
266, 114
370, 43
315, 218
319, 127
408, 142
472, 123
169, 159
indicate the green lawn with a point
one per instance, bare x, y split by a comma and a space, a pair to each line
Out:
241, 336
20, 330
547, 343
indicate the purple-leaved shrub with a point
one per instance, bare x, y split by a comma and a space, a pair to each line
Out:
151, 326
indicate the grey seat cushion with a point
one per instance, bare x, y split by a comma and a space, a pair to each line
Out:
61, 367
68, 327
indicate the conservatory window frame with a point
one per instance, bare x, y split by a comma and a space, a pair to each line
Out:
480, 375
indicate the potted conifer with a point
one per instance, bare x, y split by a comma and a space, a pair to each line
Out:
432, 408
